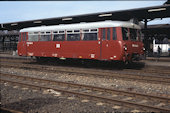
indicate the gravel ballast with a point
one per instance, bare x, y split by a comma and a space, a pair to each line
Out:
35, 101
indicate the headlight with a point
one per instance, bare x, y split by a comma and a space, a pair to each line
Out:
125, 48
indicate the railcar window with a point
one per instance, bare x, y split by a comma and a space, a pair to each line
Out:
25, 37
108, 34
133, 34
22, 36
93, 30
30, 33
103, 34
59, 37
73, 37
32, 37
61, 31
69, 31
35, 32
55, 32
45, 37
86, 30
125, 33
114, 34
76, 31
89, 36
48, 32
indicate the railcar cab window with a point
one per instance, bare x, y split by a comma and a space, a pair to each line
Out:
125, 33
33, 36
73, 35
133, 34
89, 34
58, 35
45, 36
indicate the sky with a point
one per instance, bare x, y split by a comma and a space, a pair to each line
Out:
14, 11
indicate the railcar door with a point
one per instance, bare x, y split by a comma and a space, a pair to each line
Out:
105, 34
22, 47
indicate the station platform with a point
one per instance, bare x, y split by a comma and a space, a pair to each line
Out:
155, 61
149, 61
11, 54
162, 59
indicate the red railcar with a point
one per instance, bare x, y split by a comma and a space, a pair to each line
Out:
106, 40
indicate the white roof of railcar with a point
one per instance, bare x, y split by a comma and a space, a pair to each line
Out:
91, 25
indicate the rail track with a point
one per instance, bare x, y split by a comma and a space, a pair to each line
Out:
120, 97
7, 110
155, 70
126, 76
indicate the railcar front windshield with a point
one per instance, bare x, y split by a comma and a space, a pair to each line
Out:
132, 34
125, 33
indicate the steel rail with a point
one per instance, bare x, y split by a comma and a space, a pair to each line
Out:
27, 59
150, 71
145, 78
125, 103
90, 87
13, 58
6, 110
143, 71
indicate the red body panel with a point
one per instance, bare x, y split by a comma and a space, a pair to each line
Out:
99, 49
66, 49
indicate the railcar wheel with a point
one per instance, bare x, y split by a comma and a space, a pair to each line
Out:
42, 59
120, 65
38, 59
